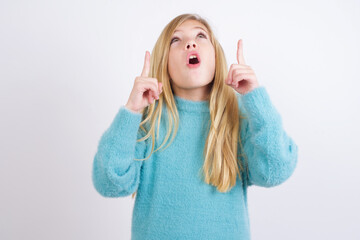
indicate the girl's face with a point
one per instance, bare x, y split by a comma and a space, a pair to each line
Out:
189, 38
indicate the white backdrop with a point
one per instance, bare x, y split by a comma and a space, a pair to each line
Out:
67, 67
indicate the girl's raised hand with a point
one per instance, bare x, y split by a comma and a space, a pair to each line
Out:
240, 76
145, 89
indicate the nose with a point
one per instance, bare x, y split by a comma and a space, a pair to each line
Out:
190, 44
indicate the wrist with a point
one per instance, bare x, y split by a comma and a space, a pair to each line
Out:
131, 109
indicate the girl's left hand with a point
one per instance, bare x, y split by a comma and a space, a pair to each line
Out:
240, 76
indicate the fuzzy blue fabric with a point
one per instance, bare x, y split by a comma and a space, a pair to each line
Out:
172, 201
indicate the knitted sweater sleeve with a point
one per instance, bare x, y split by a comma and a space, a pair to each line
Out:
271, 153
115, 172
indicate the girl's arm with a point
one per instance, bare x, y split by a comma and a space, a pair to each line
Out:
115, 172
271, 153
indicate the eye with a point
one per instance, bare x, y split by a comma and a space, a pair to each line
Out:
172, 40
202, 34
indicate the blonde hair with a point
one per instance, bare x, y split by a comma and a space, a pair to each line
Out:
221, 163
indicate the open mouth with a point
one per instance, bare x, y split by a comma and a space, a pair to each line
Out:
193, 59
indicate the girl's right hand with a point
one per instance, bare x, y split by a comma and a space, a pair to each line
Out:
145, 89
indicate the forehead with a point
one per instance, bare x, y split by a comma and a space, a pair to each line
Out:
190, 25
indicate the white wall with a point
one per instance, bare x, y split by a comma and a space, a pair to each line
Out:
67, 66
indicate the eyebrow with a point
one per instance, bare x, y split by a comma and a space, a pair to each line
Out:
193, 28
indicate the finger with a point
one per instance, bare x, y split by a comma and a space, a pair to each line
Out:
240, 54
154, 81
160, 87
153, 89
155, 93
234, 67
240, 77
146, 68
229, 76
150, 98
237, 71
153, 97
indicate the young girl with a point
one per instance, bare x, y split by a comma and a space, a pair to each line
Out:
222, 132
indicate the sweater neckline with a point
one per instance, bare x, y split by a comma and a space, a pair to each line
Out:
187, 105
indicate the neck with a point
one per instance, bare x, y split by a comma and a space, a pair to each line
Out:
186, 105
193, 94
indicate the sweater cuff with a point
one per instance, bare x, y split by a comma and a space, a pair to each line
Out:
127, 120
124, 130
121, 137
259, 107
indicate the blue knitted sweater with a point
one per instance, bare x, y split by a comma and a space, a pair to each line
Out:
172, 202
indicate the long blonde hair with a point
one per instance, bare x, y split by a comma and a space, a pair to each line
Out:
221, 163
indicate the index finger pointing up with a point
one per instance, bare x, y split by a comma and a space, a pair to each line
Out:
146, 68
240, 55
